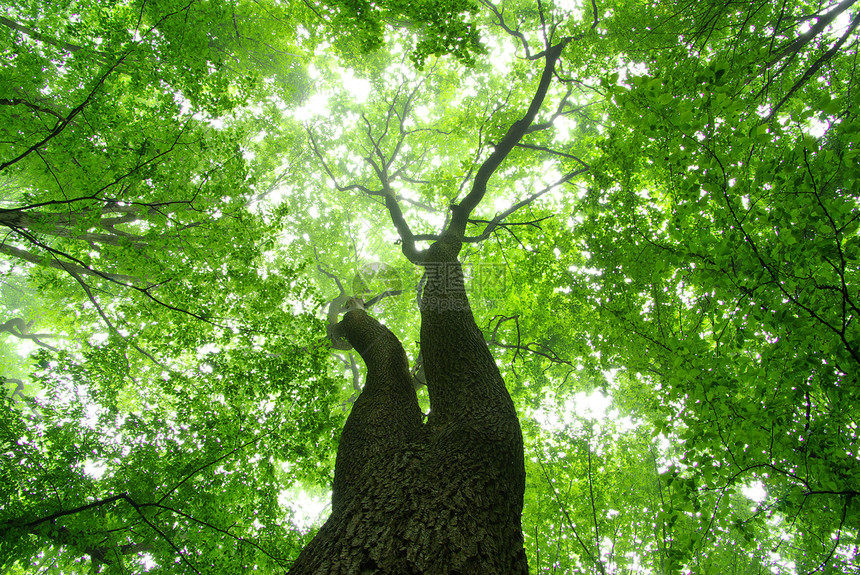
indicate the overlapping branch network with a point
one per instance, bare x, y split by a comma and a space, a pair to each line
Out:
386, 142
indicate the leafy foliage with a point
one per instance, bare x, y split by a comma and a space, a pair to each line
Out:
665, 268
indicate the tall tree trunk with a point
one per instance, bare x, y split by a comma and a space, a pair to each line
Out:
444, 497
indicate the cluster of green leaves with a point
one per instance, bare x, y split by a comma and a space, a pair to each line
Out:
95, 470
687, 247
131, 239
440, 28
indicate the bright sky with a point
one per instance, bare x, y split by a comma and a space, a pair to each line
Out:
308, 510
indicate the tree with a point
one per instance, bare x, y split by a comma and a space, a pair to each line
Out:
444, 496
660, 266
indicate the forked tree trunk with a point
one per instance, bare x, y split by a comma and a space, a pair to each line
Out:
446, 496
443, 497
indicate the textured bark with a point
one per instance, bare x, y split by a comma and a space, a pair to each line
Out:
444, 497
385, 416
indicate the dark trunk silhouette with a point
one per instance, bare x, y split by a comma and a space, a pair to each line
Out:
444, 496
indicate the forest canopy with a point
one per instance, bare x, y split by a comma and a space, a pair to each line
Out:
665, 268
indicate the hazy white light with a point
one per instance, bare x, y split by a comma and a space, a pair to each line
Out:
359, 88
755, 491
307, 509
590, 405
98, 338
316, 105
94, 469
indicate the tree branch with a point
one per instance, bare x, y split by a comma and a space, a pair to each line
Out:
23, 102
551, 151
408, 238
823, 21
855, 21
65, 266
549, 354
500, 17
565, 512
38, 36
461, 213
21, 329
61, 125
108, 322
497, 221
209, 464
